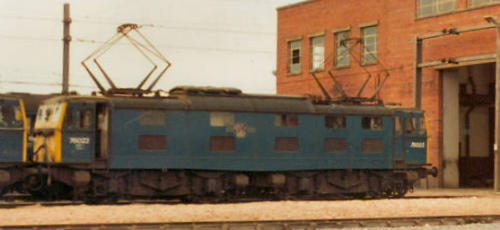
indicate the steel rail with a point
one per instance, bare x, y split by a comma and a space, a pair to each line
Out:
281, 224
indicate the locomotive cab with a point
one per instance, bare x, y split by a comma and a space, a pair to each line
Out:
71, 130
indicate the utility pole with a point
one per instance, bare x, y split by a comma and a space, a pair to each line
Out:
66, 40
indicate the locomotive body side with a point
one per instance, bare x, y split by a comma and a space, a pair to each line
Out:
205, 146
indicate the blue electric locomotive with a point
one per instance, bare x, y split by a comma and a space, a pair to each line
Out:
218, 142
13, 142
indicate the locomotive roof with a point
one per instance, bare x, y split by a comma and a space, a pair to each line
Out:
240, 103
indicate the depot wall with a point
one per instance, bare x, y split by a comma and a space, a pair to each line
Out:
398, 27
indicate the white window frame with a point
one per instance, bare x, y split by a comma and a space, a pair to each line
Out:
369, 45
294, 45
476, 3
435, 7
342, 51
317, 50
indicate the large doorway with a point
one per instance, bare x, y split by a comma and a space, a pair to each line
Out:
468, 126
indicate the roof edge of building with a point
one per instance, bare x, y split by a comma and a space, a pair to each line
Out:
295, 4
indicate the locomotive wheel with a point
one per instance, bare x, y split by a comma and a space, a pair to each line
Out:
391, 187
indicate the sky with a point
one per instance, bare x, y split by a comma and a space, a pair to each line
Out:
224, 43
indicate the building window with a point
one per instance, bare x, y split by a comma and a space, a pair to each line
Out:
335, 145
335, 122
317, 53
222, 144
286, 120
372, 145
432, 7
221, 119
294, 57
286, 144
372, 123
152, 117
342, 49
473, 3
152, 142
369, 45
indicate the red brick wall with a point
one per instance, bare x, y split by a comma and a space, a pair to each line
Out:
397, 29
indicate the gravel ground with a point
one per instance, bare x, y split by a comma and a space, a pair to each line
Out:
462, 227
283, 210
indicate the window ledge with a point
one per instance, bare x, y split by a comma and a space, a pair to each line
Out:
341, 67
369, 63
316, 70
293, 74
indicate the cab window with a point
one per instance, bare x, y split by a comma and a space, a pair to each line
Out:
4, 115
410, 125
84, 118
422, 127
68, 118
18, 116
397, 126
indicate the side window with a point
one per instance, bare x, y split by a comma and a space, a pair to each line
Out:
286, 144
372, 123
84, 118
152, 142
68, 118
286, 120
335, 122
410, 125
397, 126
152, 117
18, 116
335, 145
221, 119
4, 115
422, 127
372, 145
222, 144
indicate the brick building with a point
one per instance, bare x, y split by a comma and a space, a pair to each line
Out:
440, 55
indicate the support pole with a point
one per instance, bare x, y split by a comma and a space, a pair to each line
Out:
497, 113
66, 40
417, 76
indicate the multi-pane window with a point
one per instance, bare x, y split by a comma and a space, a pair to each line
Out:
317, 53
294, 56
372, 123
473, 3
422, 125
335, 122
286, 120
369, 45
342, 49
432, 7
221, 119
152, 117
84, 118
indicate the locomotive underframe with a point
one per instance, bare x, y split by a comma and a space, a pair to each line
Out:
198, 185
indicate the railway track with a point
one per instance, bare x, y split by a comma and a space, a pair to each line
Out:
281, 225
